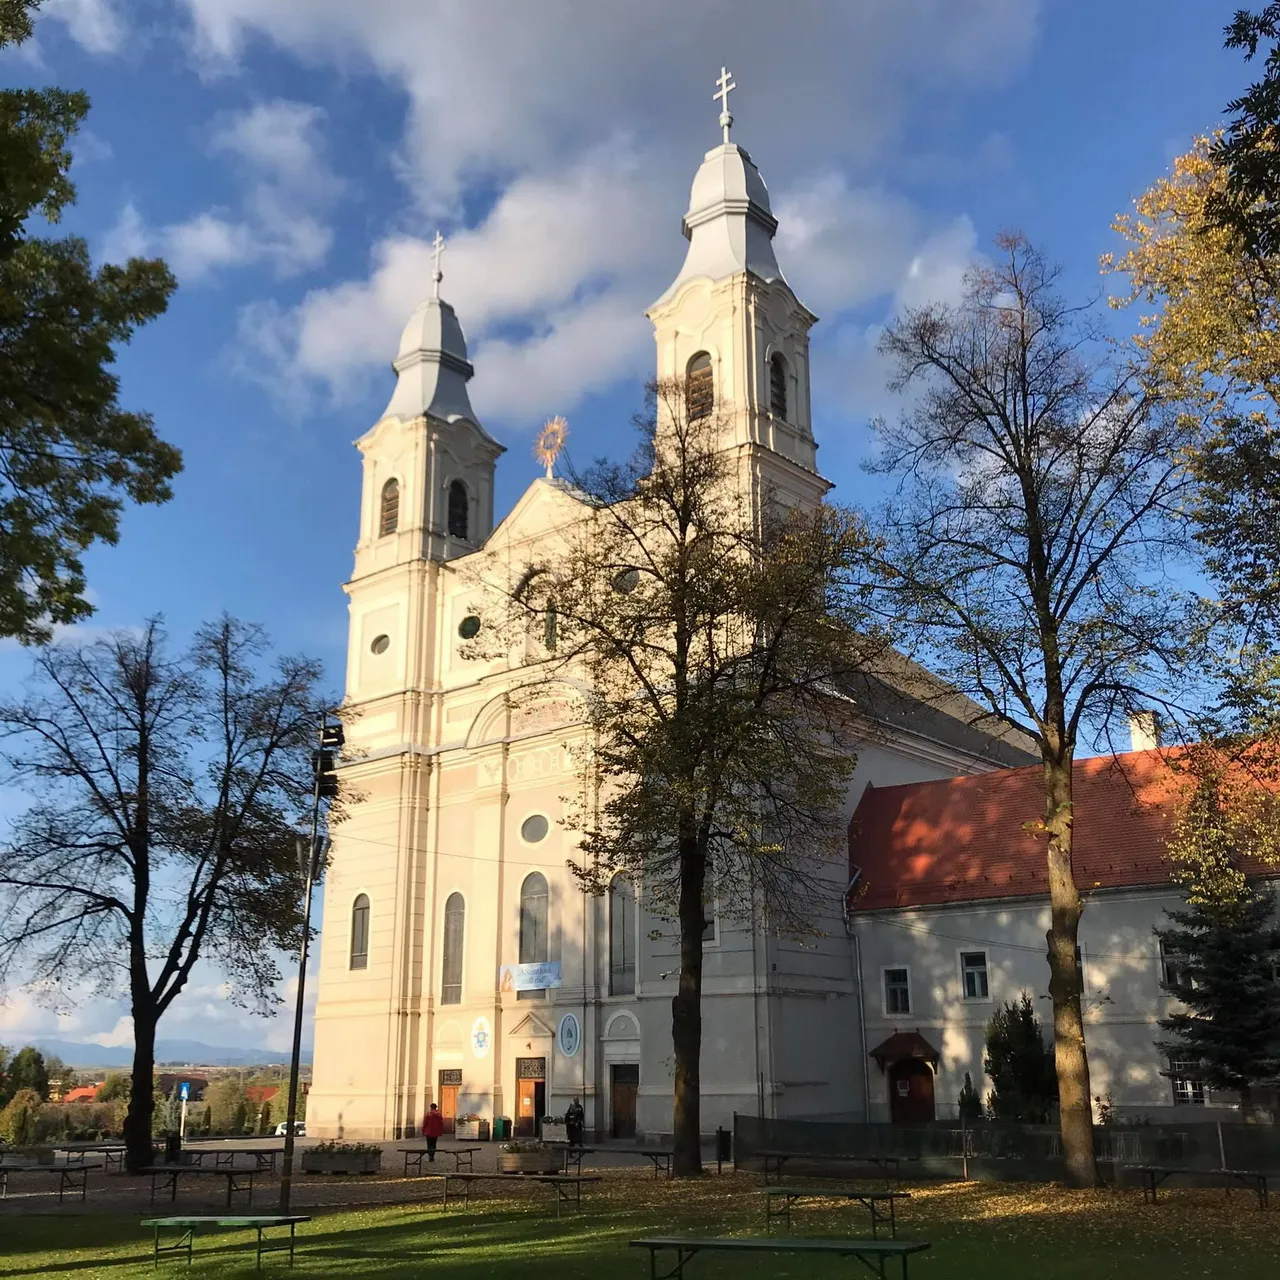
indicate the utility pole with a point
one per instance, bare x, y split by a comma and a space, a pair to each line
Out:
311, 854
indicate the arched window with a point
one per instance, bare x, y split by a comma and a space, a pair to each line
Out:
455, 913
458, 509
360, 932
778, 387
699, 388
533, 926
622, 937
389, 512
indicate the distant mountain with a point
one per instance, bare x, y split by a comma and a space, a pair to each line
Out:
181, 1052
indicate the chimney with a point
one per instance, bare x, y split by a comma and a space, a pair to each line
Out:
1144, 731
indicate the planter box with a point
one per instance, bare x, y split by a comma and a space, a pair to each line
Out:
554, 1132
471, 1130
527, 1162
341, 1161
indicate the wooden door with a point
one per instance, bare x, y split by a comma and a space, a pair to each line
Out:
531, 1090
624, 1085
911, 1092
449, 1105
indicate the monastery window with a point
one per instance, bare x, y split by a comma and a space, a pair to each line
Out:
550, 620
973, 975
380, 644
710, 925
626, 581
534, 828
897, 991
699, 388
469, 627
389, 510
778, 387
455, 913
459, 509
533, 926
360, 932
622, 937
1188, 1088
1174, 975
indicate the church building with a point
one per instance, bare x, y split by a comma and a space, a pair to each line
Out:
460, 962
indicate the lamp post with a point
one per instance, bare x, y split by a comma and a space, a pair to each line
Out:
311, 855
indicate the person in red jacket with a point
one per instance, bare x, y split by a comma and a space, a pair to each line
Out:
432, 1128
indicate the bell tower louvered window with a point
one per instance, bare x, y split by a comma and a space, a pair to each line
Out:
778, 387
389, 509
700, 391
458, 509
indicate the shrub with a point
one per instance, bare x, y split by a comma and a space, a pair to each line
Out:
18, 1121
970, 1101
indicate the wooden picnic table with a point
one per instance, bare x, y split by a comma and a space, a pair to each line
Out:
225, 1157
774, 1160
189, 1226
880, 1204
165, 1176
560, 1183
414, 1155
1256, 1180
659, 1157
71, 1177
873, 1254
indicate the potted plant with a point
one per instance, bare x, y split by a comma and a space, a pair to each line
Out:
527, 1157
342, 1157
554, 1129
471, 1128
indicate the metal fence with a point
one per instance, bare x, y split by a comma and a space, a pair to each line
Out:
949, 1146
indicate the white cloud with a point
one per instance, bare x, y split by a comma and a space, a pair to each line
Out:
95, 25
280, 153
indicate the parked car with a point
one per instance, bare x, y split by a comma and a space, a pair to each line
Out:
299, 1128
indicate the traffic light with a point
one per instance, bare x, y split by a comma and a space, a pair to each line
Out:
324, 760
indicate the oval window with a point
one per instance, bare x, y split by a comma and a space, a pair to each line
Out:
380, 644
469, 627
534, 828
626, 582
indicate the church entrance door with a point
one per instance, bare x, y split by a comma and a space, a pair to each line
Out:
624, 1084
531, 1096
450, 1082
911, 1092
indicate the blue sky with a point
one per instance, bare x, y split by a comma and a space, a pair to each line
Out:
293, 160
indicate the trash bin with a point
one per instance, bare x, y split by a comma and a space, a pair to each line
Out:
724, 1147
501, 1128
172, 1148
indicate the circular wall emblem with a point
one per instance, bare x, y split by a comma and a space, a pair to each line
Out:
481, 1035
570, 1035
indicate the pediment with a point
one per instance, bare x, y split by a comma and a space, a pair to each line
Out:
531, 1025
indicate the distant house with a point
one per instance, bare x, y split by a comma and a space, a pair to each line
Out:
950, 906
82, 1093
257, 1094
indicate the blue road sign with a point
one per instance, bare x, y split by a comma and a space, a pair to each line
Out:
184, 1091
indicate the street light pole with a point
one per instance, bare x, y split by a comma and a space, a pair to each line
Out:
310, 856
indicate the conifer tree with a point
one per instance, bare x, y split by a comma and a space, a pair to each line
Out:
1021, 1067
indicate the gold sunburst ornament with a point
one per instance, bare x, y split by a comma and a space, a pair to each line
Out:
550, 443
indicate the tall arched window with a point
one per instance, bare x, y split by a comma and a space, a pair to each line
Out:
458, 509
360, 932
389, 511
533, 926
622, 937
455, 914
778, 387
699, 388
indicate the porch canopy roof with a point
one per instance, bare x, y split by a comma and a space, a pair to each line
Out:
904, 1044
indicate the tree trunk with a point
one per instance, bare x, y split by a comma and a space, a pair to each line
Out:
1075, 1103
686, 1017
138, 1118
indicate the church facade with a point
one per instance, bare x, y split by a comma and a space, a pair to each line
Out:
460, 964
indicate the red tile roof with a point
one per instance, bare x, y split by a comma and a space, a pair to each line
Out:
81, 1093
963, 839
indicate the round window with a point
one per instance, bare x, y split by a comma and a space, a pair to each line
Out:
626, 582
534, 828
380, 644
469, 627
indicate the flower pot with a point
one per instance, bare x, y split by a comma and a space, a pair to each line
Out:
341, 1161
471, 1130
527, 1162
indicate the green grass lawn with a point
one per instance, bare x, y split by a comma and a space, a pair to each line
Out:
1037, 1232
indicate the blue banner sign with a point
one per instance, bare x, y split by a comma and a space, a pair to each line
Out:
529, 977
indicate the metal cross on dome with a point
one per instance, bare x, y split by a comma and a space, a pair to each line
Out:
437, 248
722, 96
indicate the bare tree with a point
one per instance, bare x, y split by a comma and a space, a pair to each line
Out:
715, 640
1026, 551
166, 792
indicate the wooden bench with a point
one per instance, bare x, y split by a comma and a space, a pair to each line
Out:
774, 1160
189, 1226
873, 1254
561, 1184
71, 1177
659, 1157
880, 1204
414, 1156
225, 1157
1254, 1179
165, 1176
